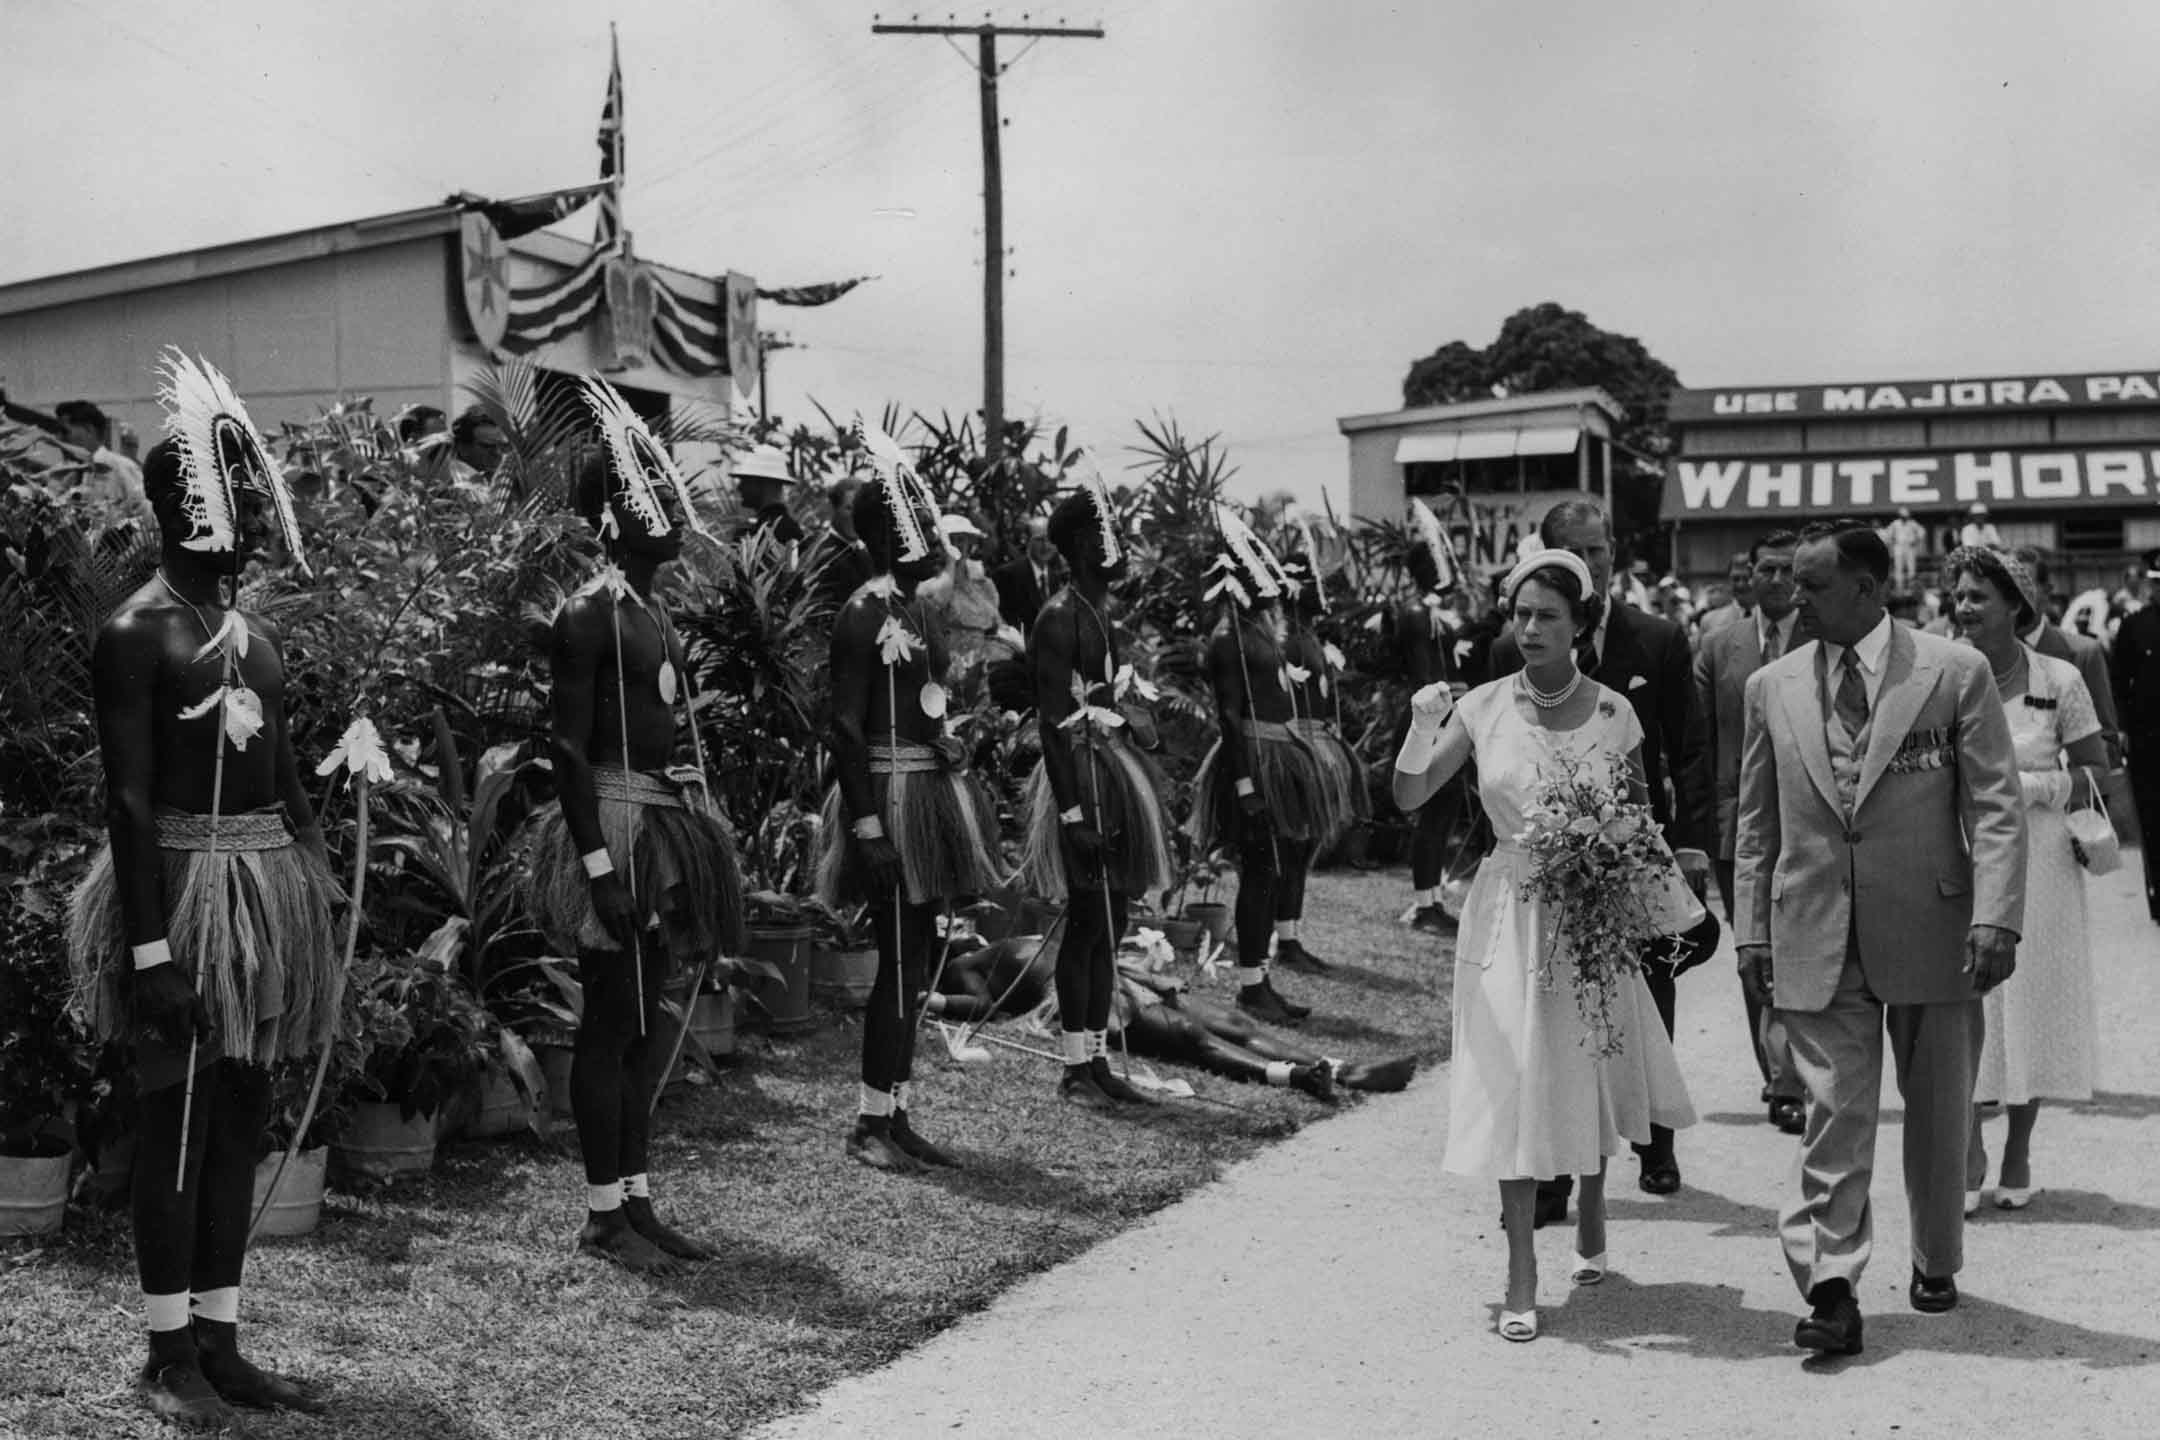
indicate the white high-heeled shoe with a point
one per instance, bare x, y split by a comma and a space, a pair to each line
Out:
1518, 1325
1588, 1269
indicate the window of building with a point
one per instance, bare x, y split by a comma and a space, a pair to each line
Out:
1965, 431
2040, 534
1741, 440
2086, 533
2141, 532
2109, 425
1838, 436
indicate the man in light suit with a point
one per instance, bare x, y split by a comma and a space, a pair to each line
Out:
1881, 854
1723, 664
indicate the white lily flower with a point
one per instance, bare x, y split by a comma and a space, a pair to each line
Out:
1298, 673
1334, 657
359, 750
1098, 716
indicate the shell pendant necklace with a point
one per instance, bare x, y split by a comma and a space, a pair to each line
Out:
239, 708
1551, 699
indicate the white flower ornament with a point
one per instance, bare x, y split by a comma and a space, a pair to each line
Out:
242, 712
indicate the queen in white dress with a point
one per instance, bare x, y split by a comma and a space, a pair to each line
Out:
1535, 1093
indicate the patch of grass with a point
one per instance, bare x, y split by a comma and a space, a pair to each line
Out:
457, 1307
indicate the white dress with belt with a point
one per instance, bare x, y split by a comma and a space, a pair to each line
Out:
1530, 1097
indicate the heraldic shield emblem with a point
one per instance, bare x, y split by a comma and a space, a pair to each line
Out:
742, 341
630, 303
484, 266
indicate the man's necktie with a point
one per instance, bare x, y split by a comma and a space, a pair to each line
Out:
1770, 644
1851, 702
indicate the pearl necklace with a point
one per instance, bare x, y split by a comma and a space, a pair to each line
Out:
1551, 699
2004, 677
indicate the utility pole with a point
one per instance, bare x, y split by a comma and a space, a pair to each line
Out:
986, 68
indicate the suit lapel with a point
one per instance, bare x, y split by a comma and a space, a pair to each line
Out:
1623, 658
1908, 680
1802, 693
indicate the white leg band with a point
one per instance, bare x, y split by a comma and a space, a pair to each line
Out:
1278, 1072
222, 1305
600, 1199
1286, 929
1250, 975
637, 1187
166, 1312
876, 1104
1073, 1046
1429, 897
935, 1004
900, 1095
1098, 1042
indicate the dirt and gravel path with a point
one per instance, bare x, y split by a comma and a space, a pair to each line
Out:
1340, 1285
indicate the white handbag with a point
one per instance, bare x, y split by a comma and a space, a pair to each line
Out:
2092, 837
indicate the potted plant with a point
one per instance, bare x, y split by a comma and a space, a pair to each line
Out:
295, 1207
777, 863
843, 958
46, 1066
1197, 876
424, 1039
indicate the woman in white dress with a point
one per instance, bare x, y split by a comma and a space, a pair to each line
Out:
1532, 1095
2042, 1027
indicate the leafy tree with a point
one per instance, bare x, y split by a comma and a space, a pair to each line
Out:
1550, 347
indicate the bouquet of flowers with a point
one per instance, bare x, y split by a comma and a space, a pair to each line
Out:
1596, 855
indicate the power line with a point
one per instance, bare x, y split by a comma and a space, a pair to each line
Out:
987, 36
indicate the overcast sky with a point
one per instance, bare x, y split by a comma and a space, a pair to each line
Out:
1251, 215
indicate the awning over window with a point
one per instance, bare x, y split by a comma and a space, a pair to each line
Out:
1426, 449
1550, 440
1486, 444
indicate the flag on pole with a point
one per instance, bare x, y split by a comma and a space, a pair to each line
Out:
527, 213
608, 231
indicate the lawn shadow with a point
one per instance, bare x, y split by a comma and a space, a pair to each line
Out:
1370, 979
725, 1114
1712, 1322
1010, 1180
751, 1278
362, 1410
1341, 1027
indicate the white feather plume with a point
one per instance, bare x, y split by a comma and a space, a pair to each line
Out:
1249, 554
1434, 537
201, 411
1098, 489
906, 497
637, 456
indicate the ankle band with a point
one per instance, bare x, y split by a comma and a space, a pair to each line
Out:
1278, 1072
600, 1199
166, 1312
1251, 975
637, 1187
878, 1104
1286, 929
1073, 1046
1429, 896
900, 1095
221, 1305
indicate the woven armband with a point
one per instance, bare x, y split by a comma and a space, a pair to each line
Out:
1074, 816
152, 955
1244, 786
869, 828
597, 864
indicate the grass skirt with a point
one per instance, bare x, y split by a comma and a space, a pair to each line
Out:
673, 847
1122, 791
249, 922
1341, 772
1285, 773
940, 819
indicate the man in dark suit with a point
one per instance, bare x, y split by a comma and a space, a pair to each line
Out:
838, 564
1025, 582
2088, 654
1645, 658
1722, 666
2137, 699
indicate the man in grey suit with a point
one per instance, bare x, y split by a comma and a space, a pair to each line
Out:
1723, 663
1881, 855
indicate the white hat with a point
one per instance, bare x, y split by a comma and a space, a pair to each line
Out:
955, 525
763, 463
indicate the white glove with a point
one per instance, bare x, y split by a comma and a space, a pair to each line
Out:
2049, 788
1431, 707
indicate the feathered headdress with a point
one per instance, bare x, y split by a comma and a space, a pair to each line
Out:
1428, 534
907, 499
641, 463
221, 454
1097, 490
1303, 576
1247, 570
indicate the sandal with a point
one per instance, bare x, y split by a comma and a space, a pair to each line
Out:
1518, 1325
1588, 1269
2014, 1197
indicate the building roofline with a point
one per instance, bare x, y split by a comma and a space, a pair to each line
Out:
262, 252
1484, 409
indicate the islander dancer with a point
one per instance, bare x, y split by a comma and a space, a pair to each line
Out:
905, 829
634, 868
1096, 832
1315, 671
1428, 652
202, 935
1259, 788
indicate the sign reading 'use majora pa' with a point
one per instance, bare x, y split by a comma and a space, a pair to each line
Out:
1941, 481
1920, 397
